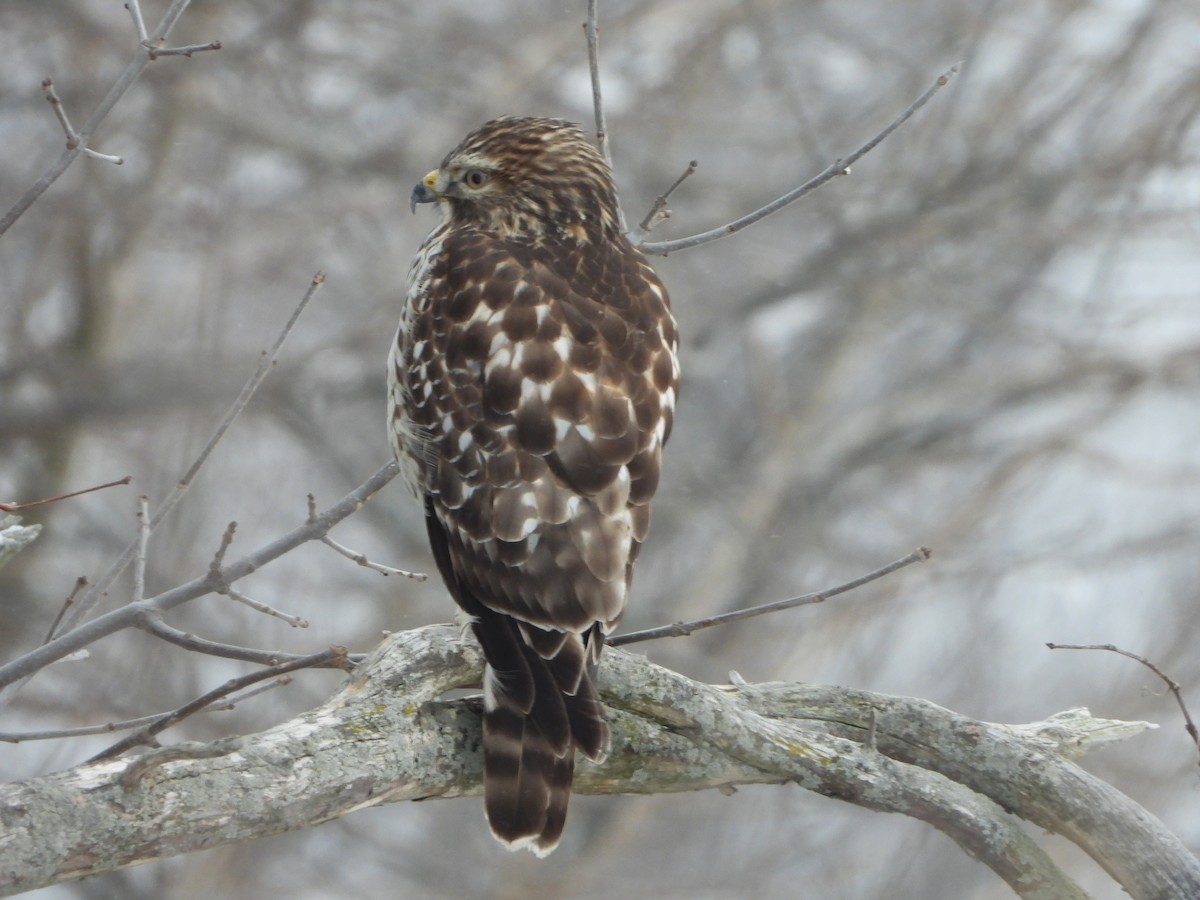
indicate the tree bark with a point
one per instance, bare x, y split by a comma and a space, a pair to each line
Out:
385, 736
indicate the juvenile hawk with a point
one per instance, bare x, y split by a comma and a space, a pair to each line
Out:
532, 385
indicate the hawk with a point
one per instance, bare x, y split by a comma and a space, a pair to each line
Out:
532, 385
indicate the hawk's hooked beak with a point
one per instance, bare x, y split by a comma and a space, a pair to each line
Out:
423, 192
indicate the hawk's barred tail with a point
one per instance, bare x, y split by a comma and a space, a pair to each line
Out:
527, 775
540, 706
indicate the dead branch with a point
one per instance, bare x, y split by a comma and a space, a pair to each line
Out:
836, 168
682, 629
361, 558
123, 83
13, 506
154, 623
129, 615
386, 736
265, 363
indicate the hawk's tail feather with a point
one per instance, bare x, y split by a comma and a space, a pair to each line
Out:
526, 784
529, 750
570, 661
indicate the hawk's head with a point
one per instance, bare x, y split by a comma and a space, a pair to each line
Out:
524, 178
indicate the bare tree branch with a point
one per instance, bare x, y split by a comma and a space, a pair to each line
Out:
123, 83
80, 583
265, 363
156, 52
836, 168
13, 506
361, 558
139, 24
386, 736
141, 721
682, 629
128, 616
154, 623
658, 211
70, 133
592, 32
139, 562
264, 608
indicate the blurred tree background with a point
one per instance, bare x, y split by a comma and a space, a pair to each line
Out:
985, 340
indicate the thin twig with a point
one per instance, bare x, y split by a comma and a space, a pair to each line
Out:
221, 586
140, 722
49, 734
592, 32
681, 629
661, 200
80, 583
13, 506
139, 24
61, 113
154, 623
658, 211
123, 83
156, 52
1171, 683
104, 157
139, 562
218, 560
838, 167
258, 606
127, 616
147, 734
363, 561
265, 363
361, 558
73, 140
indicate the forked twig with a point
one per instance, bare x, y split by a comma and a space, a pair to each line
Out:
838, 167
682, 629
658, 211
266, 361
17, 670
222, 585
123, 83
361, 558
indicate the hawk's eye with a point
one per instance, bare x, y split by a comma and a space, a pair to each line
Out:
476, 178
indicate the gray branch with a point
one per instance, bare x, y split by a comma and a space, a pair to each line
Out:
141, 59
385, 736
131, 614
